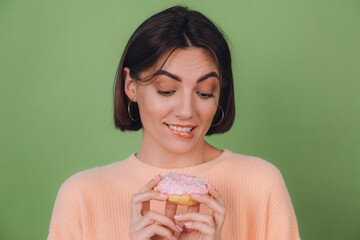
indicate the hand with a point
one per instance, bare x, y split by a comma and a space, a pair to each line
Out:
146, 224
203, 226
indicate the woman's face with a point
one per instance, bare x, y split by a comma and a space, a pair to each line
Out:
178, 107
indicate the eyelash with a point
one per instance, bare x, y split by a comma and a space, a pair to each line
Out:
165, 93
169, 93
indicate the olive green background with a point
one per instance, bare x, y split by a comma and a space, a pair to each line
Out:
297, 71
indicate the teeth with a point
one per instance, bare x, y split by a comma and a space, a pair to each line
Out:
182, 129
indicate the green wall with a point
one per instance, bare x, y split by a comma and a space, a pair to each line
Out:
296, 67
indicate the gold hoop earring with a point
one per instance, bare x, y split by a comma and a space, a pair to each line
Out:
222, 117
129, 111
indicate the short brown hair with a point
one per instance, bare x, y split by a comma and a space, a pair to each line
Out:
173, 28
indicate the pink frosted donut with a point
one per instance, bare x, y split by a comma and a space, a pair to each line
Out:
179, 186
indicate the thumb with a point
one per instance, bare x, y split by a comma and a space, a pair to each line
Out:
170, 209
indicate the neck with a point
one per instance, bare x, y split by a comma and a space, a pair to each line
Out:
163, 158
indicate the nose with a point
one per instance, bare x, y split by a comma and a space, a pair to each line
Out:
184, 107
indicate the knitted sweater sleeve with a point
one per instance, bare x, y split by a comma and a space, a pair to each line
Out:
66, 217
281, 219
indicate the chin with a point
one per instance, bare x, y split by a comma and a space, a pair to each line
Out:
180, 148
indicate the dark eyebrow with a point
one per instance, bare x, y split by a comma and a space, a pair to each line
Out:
176, 78
206, 76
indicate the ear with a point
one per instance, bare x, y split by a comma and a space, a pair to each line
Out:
130, 85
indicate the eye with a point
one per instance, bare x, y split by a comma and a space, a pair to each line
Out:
165, 93
205, 95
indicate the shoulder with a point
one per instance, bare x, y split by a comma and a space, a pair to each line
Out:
250, 163
95, 177
252, 169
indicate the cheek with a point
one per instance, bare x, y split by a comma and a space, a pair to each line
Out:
207, 110
151, 107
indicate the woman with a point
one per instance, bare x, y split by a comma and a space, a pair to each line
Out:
175, 82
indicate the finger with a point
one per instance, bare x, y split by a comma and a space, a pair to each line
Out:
136, 206
170, 209
201, 227
152, 230
152, 217
196, 217
211, 202
214, 193
140, 202
155, 196
151, 184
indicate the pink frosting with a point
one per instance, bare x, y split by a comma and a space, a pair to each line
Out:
180, 184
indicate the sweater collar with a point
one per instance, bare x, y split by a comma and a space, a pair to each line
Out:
146, 170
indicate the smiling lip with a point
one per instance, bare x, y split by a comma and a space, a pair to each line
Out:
183, 134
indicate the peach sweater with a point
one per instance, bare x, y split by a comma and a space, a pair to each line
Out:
95, 204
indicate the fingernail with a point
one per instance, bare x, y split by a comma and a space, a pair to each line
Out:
211, 186
163, 195
174, 238
188, 224
180, 228
195, 195
178, 216
156, 177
